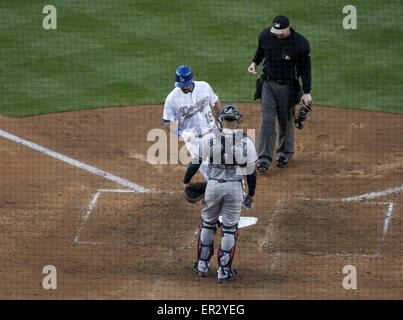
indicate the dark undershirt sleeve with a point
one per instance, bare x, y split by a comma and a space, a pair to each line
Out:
191, 171
251, 180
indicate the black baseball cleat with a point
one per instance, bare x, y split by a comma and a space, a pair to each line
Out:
262, 167
281, 162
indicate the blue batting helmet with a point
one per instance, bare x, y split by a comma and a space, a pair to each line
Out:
183, 76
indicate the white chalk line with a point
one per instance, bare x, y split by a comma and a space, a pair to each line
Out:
73, 162
138, 188
264, 240
93, 243
386, 223
194, 237
374, 195
155, 289
90, 210
86, 216
324, 254
274, 261
109, 176
270, 224
365, 196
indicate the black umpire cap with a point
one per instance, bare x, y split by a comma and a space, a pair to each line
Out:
280, 23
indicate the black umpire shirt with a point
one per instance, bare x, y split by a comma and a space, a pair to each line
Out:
285, 59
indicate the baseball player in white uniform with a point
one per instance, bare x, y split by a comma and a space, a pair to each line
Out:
231, 155
188, 105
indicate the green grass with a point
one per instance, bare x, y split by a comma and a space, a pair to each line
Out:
124, 52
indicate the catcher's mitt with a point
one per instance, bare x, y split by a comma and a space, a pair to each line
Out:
195, 191
304, 112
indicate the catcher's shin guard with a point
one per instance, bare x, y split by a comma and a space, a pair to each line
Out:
226, 252
205, 247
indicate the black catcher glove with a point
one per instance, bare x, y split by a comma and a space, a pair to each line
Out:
195, 191
304, 112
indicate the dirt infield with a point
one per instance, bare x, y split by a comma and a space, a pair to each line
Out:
338, 203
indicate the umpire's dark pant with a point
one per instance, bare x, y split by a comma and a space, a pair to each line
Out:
276, 102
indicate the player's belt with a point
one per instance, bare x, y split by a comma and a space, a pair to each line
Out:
281, 82
224, 166
224, 181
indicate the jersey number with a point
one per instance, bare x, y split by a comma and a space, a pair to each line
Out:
209, 117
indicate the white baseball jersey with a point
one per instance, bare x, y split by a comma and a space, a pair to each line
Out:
191, 110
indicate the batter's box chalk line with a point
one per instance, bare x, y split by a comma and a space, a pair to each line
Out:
137, 188
73, 162
360, 198
243, 221
89, 211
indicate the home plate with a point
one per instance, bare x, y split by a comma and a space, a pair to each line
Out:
243, 221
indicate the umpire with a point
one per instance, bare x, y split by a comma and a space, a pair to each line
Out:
287, 57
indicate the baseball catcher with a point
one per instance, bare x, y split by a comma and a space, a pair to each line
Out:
231, 155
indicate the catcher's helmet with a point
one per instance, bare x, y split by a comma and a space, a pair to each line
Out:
183, 76
230, 112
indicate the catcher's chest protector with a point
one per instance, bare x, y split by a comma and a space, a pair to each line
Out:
225, 148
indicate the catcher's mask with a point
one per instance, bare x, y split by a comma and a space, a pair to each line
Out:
303, 114
230, 112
